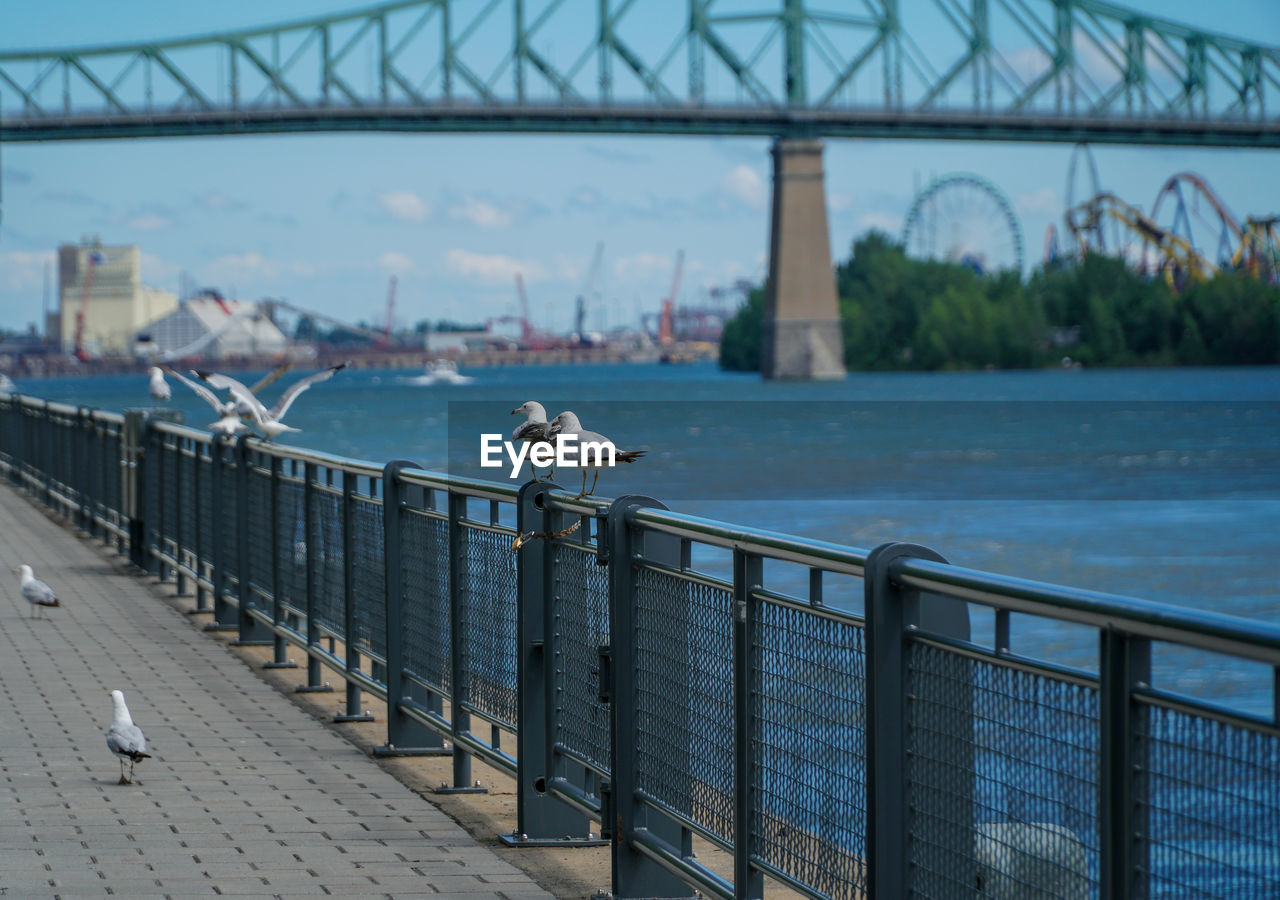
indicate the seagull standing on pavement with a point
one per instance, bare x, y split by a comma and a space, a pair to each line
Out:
125, 739
533, 431
567, 424
35, 591
269, 421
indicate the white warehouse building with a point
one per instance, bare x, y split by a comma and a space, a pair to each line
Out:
212, 327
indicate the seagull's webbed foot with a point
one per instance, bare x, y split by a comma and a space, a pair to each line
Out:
124, 780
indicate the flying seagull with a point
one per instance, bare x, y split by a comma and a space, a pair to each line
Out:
535, 429
125, 739
567, 423
36, 592
269, 421
159, 387
245, 409
229, 421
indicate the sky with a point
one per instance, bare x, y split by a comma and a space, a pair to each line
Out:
324, 221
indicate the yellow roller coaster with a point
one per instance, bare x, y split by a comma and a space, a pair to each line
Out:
1137, 238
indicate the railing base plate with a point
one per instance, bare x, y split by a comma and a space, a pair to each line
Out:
516, 840
280, 665
355, 718
251, 643
221, 626
387, 750
313, 689
445, 789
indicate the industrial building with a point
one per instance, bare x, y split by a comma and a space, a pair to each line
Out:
215, 328
102, 301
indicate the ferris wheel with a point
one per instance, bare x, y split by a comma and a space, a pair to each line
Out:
963, 218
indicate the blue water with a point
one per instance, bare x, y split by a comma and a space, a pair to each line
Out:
1178, 469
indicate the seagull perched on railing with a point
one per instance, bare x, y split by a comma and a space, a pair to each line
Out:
229, 420
567, 424
269, 421
533, 431
35, 591
125, 739
159, 387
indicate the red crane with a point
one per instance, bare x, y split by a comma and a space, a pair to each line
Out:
385, 341
666, 320
91, 263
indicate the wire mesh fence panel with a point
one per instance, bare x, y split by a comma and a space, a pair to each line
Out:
684, 699
581, 626
424, 559
204, 503
291, 544
1212, 807
1002, 779
170, 501
257, 518
487, 626
113, 457
153, 472
369, 577
811, 818
187, 515
229, 522
326, 557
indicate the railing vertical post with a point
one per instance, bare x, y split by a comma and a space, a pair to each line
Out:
460, 717
634, 873
405, 735
1124, 663
183, 510
133, 484
80, 468
279, 657
890, 610
748, 573
315, 673
251, 633
353, 711
201, 551
541, 818
224, 615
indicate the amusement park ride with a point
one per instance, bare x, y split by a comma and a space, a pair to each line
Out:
965, 219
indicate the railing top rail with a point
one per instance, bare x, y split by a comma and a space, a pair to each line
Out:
472, 487
772, 544
1142, 618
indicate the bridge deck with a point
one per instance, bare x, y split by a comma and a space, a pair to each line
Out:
246, 794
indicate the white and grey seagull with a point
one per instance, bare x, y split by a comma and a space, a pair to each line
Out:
228, 419
35, 591
567, 424
269, 421
125, 739
160, 391
534, 430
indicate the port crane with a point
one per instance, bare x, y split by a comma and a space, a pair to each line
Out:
666, 322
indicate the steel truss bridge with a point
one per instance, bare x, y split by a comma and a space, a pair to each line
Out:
1037, 70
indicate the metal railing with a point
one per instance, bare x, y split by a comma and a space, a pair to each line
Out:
819, 714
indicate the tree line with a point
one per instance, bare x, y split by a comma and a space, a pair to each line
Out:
899, 313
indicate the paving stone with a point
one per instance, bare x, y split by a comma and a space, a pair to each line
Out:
244, 795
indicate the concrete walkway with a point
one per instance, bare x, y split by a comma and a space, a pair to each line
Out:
245, 795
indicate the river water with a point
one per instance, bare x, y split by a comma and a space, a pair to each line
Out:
1161, 484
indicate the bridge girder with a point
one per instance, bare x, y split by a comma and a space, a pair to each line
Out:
972, 69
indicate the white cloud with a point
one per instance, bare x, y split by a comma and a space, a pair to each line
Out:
250, 264
492, 268
745, 185
643, 265
148, 221
219, 201
405, 206
395, 262
838, 202
480, 214
1043, 202
22, 269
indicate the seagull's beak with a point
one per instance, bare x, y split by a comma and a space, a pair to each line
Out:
516, 410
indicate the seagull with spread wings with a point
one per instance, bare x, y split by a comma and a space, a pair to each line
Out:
269, 421
229, 420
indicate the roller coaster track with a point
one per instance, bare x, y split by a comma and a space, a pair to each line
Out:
1161, 250
1036, 70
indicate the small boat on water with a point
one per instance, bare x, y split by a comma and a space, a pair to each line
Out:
6, 384
440, 371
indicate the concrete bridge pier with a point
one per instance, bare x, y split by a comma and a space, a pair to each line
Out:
802, 336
